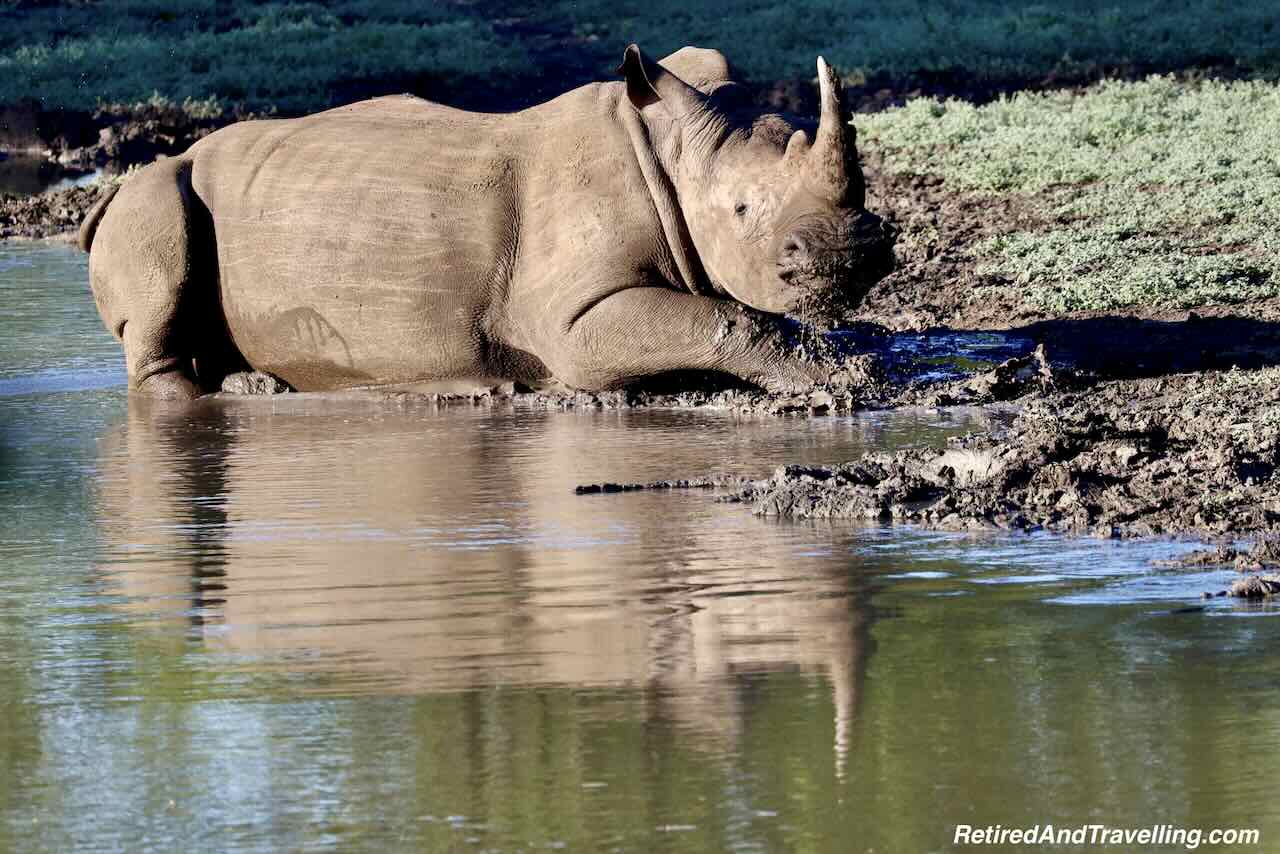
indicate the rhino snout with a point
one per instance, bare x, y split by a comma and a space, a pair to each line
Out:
858, 246
794, 257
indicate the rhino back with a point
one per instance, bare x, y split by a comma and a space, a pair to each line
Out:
366, 244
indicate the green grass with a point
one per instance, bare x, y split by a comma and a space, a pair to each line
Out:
989, 38
299, 56
291, 56
1155, 193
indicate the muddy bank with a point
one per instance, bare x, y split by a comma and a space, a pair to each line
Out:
118, 135
899, 371
109, 140
55, 214
858, 382
1186, 454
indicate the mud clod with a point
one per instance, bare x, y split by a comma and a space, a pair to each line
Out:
254, 382
1262, 555
1009, 380
1255, 587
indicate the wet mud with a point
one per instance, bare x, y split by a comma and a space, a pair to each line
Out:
56, 214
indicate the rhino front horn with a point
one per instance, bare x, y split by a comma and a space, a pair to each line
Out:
827, 167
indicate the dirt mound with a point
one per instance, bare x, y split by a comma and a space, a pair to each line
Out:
1178, 455
48, 214
1255, 587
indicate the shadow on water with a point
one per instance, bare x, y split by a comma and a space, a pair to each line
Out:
1131, 347
1109, 347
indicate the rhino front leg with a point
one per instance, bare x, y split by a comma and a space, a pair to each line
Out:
644, 331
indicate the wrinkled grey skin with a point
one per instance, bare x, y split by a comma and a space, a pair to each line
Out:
619, 231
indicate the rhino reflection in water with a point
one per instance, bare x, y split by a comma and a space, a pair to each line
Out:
619, 231
371, 555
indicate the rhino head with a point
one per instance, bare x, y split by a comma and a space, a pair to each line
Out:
776, 215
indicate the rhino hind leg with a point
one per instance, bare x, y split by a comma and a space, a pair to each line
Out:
154, 280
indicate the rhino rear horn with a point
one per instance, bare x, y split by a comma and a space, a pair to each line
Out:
648, 83
827, 165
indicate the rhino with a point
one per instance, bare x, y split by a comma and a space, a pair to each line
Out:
621, 231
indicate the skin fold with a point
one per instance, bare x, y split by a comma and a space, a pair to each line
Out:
620, 231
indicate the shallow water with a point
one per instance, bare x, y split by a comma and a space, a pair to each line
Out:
26, 175
299, 623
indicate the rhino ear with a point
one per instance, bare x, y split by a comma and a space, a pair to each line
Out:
702, 68
637, 70
649, 83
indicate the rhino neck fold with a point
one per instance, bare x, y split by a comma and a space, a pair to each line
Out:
663, 194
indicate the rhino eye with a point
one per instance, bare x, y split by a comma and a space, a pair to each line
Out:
740, 208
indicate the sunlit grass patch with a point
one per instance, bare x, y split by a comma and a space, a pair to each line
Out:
1156, 193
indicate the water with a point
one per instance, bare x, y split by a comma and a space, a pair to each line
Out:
304, 624
935, 355
26, 175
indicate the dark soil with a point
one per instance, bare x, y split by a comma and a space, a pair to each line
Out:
936, 272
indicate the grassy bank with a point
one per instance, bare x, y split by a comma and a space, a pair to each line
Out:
1155, 193
302, 56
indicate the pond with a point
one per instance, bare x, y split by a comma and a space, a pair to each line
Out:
305, 623
25, 175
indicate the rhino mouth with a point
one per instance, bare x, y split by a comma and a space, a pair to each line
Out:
840, 264
831, 290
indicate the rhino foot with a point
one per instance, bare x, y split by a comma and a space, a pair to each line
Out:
254, 382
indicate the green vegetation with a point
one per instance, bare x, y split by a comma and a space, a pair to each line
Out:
985, 38
1155, 193
299, 56
292, 56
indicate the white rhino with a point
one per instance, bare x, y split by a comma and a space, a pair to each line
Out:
620, 231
